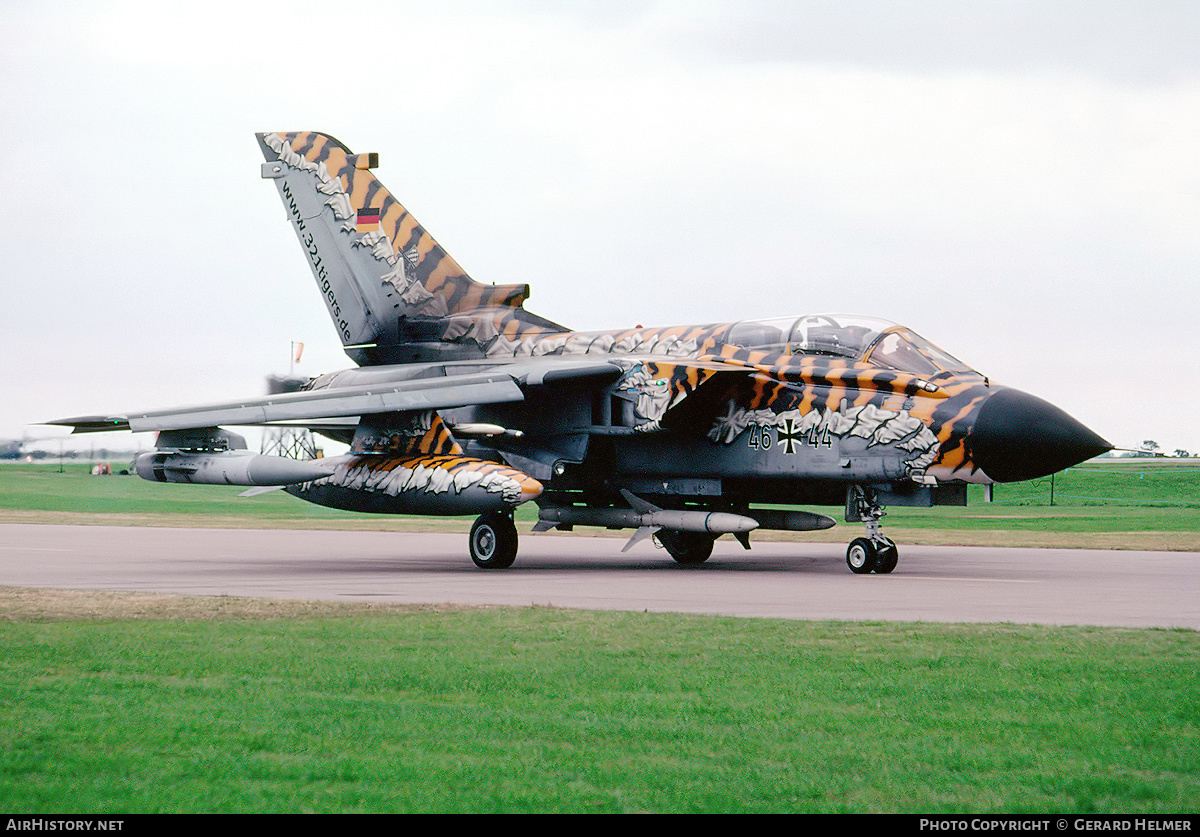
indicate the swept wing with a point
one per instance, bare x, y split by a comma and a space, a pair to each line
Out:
503, 383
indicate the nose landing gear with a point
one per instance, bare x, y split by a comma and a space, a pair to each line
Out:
866, 556
874, 553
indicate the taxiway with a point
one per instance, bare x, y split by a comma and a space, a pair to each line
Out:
781, 580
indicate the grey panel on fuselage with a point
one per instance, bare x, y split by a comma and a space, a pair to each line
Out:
847, 460
554, 422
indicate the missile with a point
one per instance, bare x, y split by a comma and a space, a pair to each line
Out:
231, 467
689, 521
792, 521
717, 523
483, 429
646, 517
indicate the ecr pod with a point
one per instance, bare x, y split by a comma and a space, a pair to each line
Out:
231, 467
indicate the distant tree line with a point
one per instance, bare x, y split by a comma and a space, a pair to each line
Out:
1150, 448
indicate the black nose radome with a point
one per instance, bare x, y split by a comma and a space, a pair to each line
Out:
1019, 437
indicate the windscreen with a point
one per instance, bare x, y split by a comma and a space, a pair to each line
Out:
849, 336
907, 351
838, 335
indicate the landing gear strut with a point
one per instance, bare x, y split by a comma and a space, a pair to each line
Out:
493, 541
874, 553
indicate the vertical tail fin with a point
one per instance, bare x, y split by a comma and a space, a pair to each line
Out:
393, 293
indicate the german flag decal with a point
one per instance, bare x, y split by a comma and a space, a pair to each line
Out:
367, 221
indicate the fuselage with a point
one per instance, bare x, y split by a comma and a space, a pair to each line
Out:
776, 410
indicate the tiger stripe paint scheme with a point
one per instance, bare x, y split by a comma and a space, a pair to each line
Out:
795, 399
420, 433
802, 389
423, 280
410, 463
426, 484
707, 419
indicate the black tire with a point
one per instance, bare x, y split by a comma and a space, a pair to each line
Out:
687, 548
493, 541
887, 556
861, 556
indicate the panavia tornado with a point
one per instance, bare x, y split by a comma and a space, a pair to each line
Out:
462, 402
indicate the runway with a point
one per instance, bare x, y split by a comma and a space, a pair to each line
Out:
779, 580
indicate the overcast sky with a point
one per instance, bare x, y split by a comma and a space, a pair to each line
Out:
1017, 181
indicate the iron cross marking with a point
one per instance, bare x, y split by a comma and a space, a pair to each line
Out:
788, 437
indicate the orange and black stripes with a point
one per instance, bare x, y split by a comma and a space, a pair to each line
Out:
408, 437
451, 463
424, 258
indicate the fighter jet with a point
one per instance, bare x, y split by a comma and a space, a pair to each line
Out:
463, 402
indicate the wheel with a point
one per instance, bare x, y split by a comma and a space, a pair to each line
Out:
861, 556
689, 548
493, 541
887, 556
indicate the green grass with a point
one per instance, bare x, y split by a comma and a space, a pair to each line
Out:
1129, 503
74, 489
228, 706
541, 710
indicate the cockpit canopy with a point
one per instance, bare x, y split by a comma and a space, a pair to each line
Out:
849, 336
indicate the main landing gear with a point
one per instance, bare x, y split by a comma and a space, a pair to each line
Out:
874, 553
493, 541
